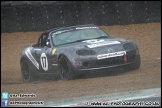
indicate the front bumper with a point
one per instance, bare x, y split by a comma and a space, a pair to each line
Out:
105, 64
104, 68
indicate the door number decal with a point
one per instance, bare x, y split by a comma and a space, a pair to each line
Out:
44, 61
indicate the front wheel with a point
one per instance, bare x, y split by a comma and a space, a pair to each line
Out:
66, 71
27, 75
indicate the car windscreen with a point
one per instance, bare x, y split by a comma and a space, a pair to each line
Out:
75, 35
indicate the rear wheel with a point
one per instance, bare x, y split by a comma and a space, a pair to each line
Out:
66, 71
27, 75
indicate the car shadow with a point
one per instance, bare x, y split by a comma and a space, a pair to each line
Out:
112, 72
96, 74
47, 77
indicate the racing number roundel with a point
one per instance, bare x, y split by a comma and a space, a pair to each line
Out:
44, 61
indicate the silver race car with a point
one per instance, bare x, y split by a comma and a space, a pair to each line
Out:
73, 50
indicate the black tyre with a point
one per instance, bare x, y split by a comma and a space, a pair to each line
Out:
66, 71
27, 75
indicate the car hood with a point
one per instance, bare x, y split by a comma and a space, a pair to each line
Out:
109, 41
99, 45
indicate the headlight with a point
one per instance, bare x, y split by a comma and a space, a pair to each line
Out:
85, 52
128, 46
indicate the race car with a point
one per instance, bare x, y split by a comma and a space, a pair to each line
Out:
70, 51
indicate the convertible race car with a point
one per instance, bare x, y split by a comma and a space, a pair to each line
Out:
70, 51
